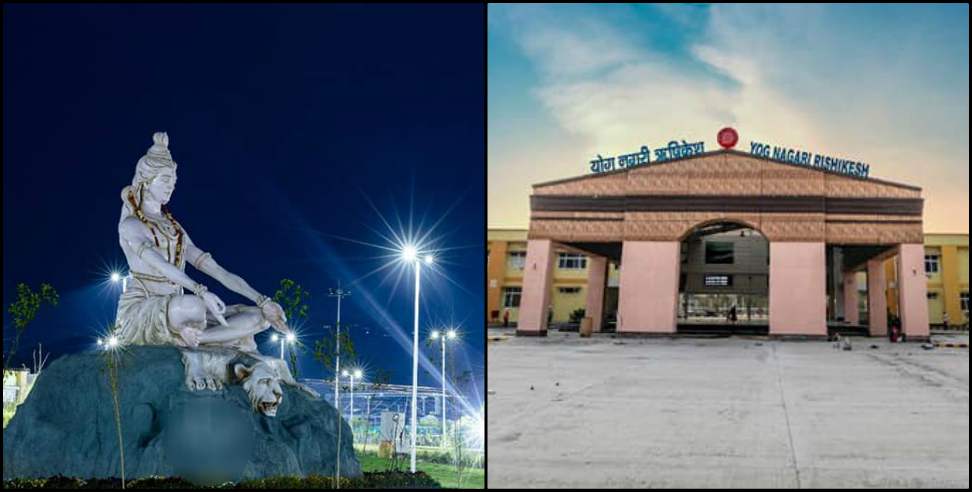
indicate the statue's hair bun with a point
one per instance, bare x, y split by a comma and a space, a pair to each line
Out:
161, 139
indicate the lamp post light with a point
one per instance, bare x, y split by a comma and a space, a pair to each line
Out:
117, 277
289, 338
355, 374
436, 335
410, 254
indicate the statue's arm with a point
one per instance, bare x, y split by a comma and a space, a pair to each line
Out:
205, 263
137, 236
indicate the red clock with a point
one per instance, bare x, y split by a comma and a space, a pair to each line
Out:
727, 138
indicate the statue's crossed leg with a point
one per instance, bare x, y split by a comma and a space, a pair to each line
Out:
188, 316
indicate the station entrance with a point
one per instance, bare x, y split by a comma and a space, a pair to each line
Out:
786, 244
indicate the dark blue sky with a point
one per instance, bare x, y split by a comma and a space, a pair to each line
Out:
284, 121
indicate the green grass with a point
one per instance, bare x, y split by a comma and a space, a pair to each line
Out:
473, 478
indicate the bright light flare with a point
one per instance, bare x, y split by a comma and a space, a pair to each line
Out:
291, 337
274, 338
434, 335
357, 373
115, 277
409, 253
452, 334
112, 342
429, 259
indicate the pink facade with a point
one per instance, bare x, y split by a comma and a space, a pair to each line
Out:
596, 278
648, 290
537, 280
913, 290
797, 289
877, 301
851, 314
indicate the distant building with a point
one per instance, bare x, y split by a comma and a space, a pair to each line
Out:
16, 385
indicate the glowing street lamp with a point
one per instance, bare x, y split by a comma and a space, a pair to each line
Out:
289, 338
352, 375
436, 335
410, 254
117, 277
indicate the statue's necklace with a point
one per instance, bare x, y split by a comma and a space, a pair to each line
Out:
153, 226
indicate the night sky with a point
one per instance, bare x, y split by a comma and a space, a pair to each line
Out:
285, 121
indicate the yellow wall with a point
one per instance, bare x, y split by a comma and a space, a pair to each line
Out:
951, 280
495, 271
500, 274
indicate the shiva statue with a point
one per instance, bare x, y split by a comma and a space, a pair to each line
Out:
155, 308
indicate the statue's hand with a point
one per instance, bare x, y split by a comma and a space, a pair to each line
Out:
273, 312
215, 305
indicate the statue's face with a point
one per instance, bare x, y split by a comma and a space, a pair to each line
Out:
162, 185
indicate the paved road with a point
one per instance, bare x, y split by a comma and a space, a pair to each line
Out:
725, 413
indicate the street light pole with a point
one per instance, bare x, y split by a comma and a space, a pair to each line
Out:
415, 336
443, 392
339, 293
411, 255
351, 420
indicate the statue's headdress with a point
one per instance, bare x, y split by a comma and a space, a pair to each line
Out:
157, 158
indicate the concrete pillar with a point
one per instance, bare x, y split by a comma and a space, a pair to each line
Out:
851, 314
877, 301
535, 296
913, 291
798, 289
648, 288
596, 280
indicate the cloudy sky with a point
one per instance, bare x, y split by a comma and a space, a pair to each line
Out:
887, 85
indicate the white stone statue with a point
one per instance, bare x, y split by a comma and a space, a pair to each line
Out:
155, 308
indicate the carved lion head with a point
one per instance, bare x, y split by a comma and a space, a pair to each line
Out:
262, 383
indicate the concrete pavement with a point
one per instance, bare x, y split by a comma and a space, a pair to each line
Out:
728, 412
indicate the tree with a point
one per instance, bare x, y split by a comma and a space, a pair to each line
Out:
324, 350
291, 297
24, 309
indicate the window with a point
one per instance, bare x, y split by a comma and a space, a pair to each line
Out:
572, 261
964, 300
931, 263
932, 295
516, 260
569, 290
511, 297
718, 253
718, 280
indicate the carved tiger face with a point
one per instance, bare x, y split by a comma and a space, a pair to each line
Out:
262, 383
